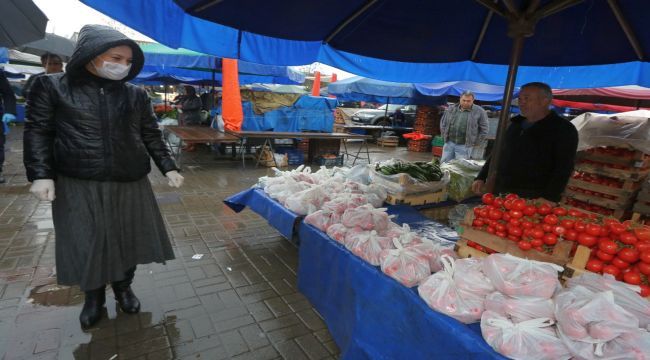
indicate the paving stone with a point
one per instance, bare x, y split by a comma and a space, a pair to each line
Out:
310, 318
312, 347
233, 324
287, 333
265, 353
279, 323
202, 326
254, 336
278, 306
234, 343
290, 350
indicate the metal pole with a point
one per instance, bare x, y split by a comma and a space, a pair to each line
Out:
165, 97
387, 103
504, 119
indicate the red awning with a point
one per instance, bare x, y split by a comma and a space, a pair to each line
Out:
590, 106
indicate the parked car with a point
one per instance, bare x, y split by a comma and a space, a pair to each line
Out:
382, 117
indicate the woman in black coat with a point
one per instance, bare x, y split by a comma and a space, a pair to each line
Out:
89, 138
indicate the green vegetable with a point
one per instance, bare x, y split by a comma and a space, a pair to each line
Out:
422, 171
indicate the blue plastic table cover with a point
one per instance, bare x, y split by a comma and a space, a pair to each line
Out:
281, 218
372, 316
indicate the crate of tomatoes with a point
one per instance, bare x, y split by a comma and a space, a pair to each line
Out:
607, 246
531, 229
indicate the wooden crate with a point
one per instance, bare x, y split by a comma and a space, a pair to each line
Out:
438, 213
417, 198
560, 255
625, 174
639, 160
388, 141
465, 251
619, 214
623, 203
577, 265
629, 189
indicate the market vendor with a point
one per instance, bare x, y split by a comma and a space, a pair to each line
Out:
539, 149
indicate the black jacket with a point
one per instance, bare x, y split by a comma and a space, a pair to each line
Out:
7, 97
86, 127
537, 161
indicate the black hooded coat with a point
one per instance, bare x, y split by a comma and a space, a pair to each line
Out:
85, 127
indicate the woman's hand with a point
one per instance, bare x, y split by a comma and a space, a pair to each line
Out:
43, 189
175, 179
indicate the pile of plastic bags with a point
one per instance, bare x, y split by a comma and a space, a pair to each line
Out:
404, 264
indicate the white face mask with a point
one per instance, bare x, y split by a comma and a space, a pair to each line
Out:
113, 71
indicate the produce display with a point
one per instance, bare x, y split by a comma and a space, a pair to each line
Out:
423, 171
524, 311
462, 174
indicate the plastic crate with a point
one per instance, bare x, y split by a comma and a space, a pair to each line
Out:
337, 161
294, 156
437, 151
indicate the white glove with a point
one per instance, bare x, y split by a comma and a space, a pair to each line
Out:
175, 179
43, 189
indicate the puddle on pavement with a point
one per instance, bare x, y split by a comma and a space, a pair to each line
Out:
55, 295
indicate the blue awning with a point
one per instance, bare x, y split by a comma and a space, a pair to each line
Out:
483, 92
363, 89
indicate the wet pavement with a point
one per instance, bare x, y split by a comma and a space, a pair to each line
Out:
238, 300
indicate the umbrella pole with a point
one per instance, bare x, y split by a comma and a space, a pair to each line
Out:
504, 119
387, 102
165, 97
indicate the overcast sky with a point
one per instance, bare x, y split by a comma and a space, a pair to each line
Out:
68, 16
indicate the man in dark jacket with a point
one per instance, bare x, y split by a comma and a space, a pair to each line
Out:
539, 149
52, 64
8, 111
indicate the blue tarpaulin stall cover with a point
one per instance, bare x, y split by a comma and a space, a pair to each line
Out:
308, 113
384, 92
483, 92
434, 52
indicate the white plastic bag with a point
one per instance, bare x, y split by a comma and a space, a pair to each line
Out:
322, 219
527, 340
370, 247
337, 232
307, 201
518, 277
520, 309
588, 320
625, 295
441, 292
367, 218
404, 265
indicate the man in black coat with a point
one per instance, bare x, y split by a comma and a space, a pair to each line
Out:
539, 150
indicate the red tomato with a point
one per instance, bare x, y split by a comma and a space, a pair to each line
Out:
516, 214
501, 234
538, 234
491, 230
642, 246
508, 204
571, 235
477, 211
524, 245
579, 226
628, 238
575, 213
587, 240
550, 239
550, 219
611, 269
519, 204
501, 227
514, 238
488, 199
512, 197
644, 268
594, 265
530, 210
495, 214
536, 242
604, 256
593, 229
567, 224
527, 224
559, 211
632, 278
544, 209
642, 233
645, 257
498, 202
516, 231
645, 290
620, 263
478, 223
629, 255
506, 216
559, 230
547, 228
484, 213
515, 222
608, 246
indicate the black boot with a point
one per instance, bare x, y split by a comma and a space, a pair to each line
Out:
93, 307
124, 296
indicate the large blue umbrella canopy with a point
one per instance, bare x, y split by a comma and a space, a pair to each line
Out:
406, 40
174, 63
482, 92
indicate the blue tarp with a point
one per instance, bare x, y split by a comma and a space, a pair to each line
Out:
374, 45
363, 89
278, 216
372, 316
482, 92
4, 55
308, 113
152, 75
